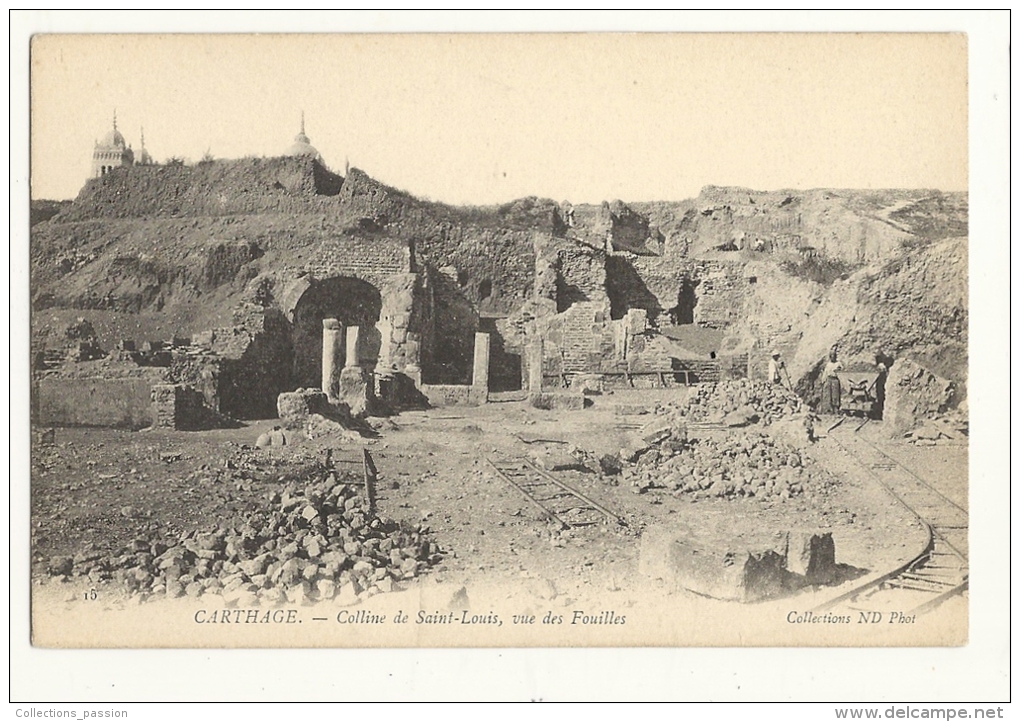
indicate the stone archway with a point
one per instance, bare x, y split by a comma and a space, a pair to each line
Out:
352, 302
686, 299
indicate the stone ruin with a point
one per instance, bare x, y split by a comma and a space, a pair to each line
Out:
400, 303
747, 569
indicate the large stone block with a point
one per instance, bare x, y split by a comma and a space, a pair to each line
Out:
295, 406
743, 570
813, 556
746, 569
556, 460
356, 390
557, 401
913, 394
798, 430
454, 395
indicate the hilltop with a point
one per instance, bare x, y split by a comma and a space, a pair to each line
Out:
155, 251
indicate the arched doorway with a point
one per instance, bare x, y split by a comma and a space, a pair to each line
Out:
353, 302
682, 313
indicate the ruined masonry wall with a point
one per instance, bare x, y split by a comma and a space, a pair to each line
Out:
583, 269
663, 277
401, 323
653, 283
254, 353
579, 341
370, 260
176, 406
200, 371
115, 402
648, 353
720, 294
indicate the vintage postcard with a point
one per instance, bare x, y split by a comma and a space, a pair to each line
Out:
522, 340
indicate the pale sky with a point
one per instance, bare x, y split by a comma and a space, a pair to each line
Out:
489, 118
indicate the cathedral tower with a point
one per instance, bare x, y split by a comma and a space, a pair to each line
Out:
111, 152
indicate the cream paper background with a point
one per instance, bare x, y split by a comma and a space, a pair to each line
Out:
632, 673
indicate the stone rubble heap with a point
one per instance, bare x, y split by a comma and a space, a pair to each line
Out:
738, 402
742, 465
316, 542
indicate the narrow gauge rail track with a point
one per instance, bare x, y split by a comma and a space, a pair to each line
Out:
557, 501
941, 570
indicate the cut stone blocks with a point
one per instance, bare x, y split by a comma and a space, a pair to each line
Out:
747, 569
356, 390
557, 401
295, 406
176, 406
813, 556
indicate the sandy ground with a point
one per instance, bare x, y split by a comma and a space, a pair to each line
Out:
104, 486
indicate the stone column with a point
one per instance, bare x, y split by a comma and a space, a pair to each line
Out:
479, 392
353, 333
480, 372
535, 366
356, 388
332, 333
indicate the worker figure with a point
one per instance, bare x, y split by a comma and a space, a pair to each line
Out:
568, 213
830, 384
882, 366
776, 367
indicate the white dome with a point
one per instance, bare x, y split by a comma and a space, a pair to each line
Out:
301, 145
113, 139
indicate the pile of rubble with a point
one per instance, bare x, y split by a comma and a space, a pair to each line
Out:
316, 543
742, 465
739, 403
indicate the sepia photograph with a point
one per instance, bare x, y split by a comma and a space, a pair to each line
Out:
507, 340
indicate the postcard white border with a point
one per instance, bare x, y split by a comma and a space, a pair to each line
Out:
979, 671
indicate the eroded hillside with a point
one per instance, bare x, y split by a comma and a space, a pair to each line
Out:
175, 250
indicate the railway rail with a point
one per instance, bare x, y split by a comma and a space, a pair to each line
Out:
941, 570
556, 500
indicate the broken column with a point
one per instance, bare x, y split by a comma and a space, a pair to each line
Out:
352, 338
480, 371
332, 347
355, 389
535, 367
571, 400
812, 554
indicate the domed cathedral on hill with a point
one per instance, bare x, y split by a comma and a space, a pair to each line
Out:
143, 155
111, 152
314, 273
301, 145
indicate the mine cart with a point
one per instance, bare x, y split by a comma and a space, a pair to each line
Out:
858, 391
